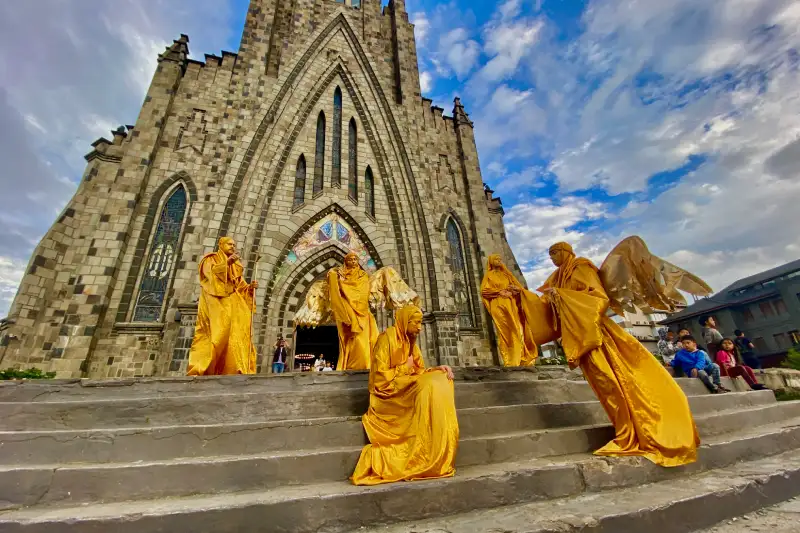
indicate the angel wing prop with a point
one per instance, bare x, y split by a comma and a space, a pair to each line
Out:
633, 277
316, 310
386, 289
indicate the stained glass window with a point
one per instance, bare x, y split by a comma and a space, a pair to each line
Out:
336, 170
458, 268
352, 185
300, 182
162, 258
369, 192
319, 158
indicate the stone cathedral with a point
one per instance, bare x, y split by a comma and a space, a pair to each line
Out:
310, 142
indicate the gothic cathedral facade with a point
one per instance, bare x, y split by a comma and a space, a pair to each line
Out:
310, 142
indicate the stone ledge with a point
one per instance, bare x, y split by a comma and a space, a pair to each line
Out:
138, 328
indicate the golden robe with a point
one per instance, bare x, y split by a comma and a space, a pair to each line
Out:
510, 314
222, 341
411, 422
349, 300
649, 411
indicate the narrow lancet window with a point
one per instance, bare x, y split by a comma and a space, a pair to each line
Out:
336, 166
300, 182
352, 185
459, 270
319, 158
369, 192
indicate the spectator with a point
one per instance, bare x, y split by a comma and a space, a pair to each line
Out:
711, 336
667, 346
747, 350
328, 367
693, 362
683, 333
280, 357
726, 359
319, 364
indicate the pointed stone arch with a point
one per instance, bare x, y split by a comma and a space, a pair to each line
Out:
330, 210
153, 210
340, 22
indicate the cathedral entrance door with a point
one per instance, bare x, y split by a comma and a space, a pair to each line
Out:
322, 340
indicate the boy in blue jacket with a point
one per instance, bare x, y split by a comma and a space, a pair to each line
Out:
694, 363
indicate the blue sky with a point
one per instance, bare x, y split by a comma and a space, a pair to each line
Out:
677, 120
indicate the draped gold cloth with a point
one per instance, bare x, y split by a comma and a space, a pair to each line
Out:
348, 294
222, 341
650, 413
411, 422
509, 304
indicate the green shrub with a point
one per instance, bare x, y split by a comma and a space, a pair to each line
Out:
792, 359
31, 373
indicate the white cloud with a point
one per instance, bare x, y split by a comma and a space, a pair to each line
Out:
84, 74
459, 52
421, 27
425, 82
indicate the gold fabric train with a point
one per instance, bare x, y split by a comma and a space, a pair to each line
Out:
650, 413
411, 422
222, 341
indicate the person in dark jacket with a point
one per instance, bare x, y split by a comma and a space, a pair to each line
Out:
280, 357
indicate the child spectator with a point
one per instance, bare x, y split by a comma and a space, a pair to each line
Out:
694, 363
711, 336
726, 359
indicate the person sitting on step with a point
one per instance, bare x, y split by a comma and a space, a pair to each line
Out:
726, 359
693, 362
411, 422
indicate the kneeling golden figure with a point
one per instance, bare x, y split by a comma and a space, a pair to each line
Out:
411, 422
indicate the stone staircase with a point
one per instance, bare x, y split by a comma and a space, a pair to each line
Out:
273, 453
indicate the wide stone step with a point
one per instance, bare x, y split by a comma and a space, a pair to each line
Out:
77, 389
239, 438
340, 507
66, 389
29, 485
674, 506
95, 413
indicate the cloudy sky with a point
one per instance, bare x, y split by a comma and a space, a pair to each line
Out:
676, 120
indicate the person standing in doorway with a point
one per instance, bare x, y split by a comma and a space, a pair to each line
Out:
747, 350
280, 357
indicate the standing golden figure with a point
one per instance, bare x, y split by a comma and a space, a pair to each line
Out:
348, 294
411, 422
344, 297
223, 341
650, 413
507, 301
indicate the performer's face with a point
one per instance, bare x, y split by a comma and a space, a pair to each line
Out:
558, 257
228, 247
351, 262
414, 325
494, 263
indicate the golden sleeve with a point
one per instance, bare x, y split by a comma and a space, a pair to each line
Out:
386, 380
581, 310
214, 277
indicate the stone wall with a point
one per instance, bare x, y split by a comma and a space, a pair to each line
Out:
229, 130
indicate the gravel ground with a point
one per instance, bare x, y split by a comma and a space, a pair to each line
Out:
783, 518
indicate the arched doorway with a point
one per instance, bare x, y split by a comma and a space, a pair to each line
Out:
310, 343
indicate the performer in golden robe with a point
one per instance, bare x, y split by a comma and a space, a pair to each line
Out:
411, 422
650, 413
505, 299
348, 296
222, 339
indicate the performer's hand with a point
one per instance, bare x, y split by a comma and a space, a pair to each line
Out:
233, 258
410, 362
254, 285
449, 371
505, 294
